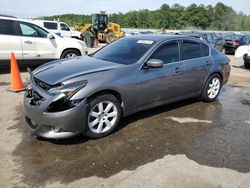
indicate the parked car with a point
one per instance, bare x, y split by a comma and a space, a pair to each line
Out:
244, 51
34, 44
209, 37
60, 28
233, 41
91, 94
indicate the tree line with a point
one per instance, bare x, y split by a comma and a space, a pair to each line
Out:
219, 17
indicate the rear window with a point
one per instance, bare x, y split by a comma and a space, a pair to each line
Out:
50, 25
190, 50
6, 27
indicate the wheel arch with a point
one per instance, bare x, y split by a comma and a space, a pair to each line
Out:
64, 50
107, 91
216, 72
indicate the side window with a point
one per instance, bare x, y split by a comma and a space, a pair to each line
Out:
31, 30
190, 50
205, 50
7, 27
168, 53
64, 27
50, 25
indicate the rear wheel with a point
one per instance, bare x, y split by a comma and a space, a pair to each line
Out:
70, 53
109, 37
212, 88
103, 115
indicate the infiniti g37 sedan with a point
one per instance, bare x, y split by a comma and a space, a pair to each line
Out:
91, 94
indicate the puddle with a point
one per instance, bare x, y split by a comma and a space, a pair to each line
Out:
145, 137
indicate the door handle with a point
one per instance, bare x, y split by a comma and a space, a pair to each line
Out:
177, 70
28, 42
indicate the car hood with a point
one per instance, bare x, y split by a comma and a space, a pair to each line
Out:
61, 70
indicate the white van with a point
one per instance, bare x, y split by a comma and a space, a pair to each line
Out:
60, 28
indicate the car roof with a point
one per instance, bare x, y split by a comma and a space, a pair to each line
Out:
161, 37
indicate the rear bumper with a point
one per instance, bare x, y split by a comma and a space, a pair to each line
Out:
53, 125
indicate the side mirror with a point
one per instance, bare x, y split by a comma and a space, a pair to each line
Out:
50, 36
154, 63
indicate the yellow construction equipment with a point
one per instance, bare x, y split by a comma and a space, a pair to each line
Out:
101, 29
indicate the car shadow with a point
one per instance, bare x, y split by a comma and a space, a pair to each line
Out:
126, 121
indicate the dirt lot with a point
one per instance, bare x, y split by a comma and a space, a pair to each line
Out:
186, 144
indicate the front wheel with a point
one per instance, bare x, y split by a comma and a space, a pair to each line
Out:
212, 88
109, 37
70, 53
103, 115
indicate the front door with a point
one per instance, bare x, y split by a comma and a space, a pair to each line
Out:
35, 43
159, 85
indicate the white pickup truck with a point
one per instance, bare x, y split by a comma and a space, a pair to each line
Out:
244, 51
60, 28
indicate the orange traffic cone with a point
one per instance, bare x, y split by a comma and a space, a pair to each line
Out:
15, 77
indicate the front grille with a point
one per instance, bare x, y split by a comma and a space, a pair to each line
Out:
42, 84
35, 97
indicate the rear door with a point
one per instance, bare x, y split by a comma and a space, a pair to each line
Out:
9, 41
197, 62
35, 43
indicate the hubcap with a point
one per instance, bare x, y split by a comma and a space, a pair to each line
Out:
69, 55
102, 117
213, 88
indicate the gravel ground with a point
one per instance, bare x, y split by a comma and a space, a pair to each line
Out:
186, 144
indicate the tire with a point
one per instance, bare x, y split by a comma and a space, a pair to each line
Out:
103, 115
70, 53
87, 38
109, 37
212, 88
246, 62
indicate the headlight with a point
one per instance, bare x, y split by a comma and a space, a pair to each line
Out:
82, 43
65, 102
69, 90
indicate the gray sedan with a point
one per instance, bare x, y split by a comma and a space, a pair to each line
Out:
91, 94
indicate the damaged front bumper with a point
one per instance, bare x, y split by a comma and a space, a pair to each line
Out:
53, 125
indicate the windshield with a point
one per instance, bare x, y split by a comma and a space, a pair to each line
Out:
124, 51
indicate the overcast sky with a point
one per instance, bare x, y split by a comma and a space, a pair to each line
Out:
35, 8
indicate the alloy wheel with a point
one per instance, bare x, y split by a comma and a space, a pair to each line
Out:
213, 88
70, 55
102, 117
